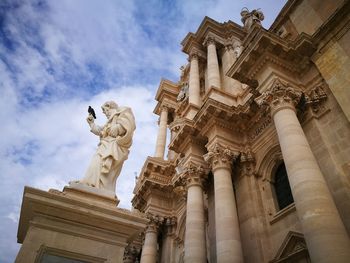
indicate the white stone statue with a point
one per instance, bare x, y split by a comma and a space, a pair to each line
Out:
113, 149
251, 18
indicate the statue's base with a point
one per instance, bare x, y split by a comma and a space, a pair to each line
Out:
60, 226
93, 194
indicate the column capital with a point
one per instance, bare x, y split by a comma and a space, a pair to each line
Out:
280, 96
193, 55
154, 223
170, 225
194, 175
164, 108
220, 156
209, 40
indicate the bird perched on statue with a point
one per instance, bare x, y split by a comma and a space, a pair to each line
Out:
92, 112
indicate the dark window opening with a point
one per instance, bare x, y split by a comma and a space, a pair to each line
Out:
282, 188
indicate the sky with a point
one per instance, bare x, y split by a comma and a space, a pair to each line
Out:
59, 57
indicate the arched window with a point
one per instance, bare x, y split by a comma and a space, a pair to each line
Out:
282, 188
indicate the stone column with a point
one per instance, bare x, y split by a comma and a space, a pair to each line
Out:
150, 246
228, 240
195, 238
171, 153
324, 232
167, 245
249, 208
194, 83
212, 63
161, 139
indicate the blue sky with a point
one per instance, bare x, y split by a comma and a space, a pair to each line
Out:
59, 57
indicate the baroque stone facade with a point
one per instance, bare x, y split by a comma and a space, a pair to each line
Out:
258, 162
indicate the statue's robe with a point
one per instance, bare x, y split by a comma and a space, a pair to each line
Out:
113, 150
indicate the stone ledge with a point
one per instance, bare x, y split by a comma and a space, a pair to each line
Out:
283, 213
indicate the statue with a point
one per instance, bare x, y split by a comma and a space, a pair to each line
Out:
113, 149
251, 18
183, 94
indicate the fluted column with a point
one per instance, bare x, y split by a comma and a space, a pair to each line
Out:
212, 63
161, 138
150, 246
195, 238
194, 83
324, 232
228, 240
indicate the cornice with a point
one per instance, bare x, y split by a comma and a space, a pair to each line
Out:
156, 171
284, 14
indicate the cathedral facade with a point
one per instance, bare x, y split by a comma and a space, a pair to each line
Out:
258, 160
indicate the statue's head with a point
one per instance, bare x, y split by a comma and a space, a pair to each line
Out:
109, 107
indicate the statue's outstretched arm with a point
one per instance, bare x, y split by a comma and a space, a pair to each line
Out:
95, 129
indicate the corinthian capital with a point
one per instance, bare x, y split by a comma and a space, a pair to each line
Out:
194, 175
193, 55
280, 96
154, 222
209, 40
220, 156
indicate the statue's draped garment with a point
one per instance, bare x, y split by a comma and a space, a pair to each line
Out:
113, 149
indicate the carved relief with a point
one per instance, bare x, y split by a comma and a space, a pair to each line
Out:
183, 94
247, 162
316, 97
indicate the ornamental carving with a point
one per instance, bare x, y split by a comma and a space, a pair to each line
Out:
316, 97
280, 95
194, 174
130, 253
220, 156
247, 163
154, 222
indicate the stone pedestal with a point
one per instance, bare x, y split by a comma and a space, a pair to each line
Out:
74, 225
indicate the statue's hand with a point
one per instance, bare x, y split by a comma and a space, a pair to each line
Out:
90, 119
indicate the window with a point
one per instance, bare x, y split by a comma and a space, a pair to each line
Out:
282, 188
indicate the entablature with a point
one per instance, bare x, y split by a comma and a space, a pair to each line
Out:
262, 47
166, 95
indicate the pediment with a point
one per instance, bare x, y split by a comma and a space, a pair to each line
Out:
209, 26
293, 246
